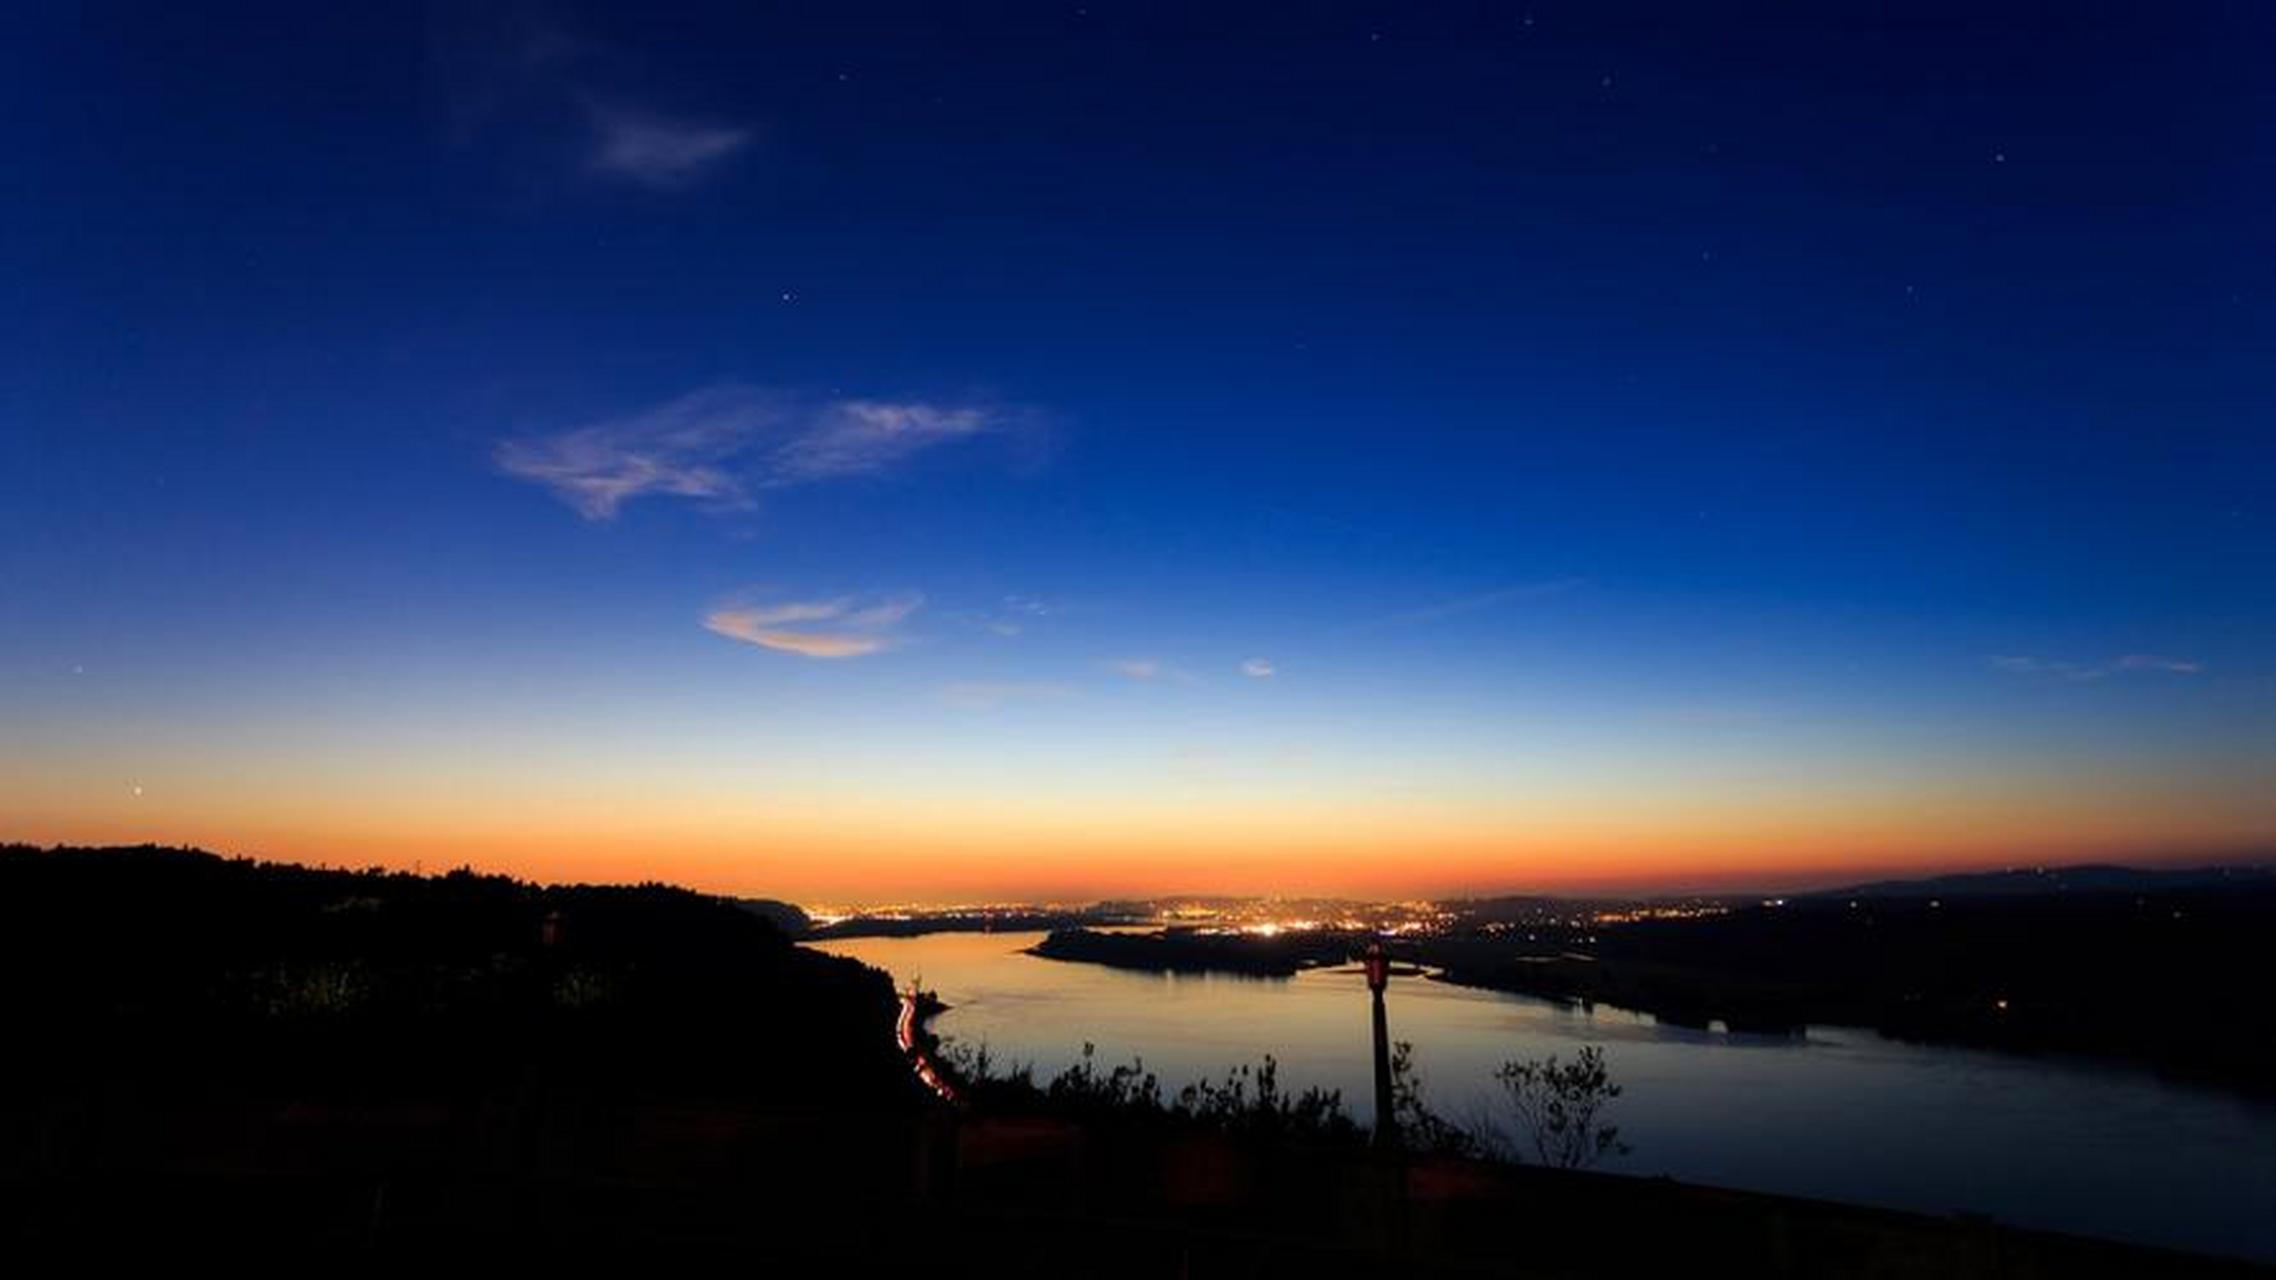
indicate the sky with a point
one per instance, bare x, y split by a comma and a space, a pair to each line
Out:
891, 453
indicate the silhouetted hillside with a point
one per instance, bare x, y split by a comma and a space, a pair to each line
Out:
248, 1059
2167, 976
318, 983
2027, 881
786, 916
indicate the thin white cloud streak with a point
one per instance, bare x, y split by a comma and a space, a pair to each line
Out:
811, 644
1013, 618
855, 437
843, 627
657, 151
2059, 669
681, 448
810, 611
1257, 669
508, 70
723, 444
889, 612
2151, 662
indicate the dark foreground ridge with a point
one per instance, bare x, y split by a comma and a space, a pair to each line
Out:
213, 1057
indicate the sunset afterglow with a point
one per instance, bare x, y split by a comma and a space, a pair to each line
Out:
621, 469
1070, 638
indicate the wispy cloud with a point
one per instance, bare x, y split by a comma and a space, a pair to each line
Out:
1468, 604
1257, 669
843, 627
1012, 617
856, 437
725, 443
658, 151
518, 76
2124, 664
2151, 662
1136, 668
682, 448
985, 695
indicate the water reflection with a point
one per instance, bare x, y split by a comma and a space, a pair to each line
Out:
1837, 1113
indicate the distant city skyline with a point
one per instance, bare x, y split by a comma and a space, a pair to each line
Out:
884, 454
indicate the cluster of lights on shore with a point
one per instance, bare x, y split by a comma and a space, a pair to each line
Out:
1272, 919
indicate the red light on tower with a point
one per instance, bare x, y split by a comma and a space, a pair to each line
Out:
1378, 967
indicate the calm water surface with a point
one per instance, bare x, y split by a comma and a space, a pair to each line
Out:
1839, 1114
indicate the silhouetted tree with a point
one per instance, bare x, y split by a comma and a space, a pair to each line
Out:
1420, 1128
1558, 1107
1248, 1101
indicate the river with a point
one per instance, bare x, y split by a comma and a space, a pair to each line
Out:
1839, 1113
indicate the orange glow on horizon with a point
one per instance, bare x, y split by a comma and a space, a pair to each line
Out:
890, 862
898, 840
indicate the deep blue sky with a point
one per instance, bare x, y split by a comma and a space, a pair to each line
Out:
1639, 442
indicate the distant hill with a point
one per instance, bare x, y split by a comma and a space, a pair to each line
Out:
1187, 951
786, 916
990, 921
2037, 881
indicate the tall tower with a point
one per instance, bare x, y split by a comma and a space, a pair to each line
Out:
1379, 977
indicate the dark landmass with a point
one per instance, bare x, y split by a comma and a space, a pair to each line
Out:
225, 1054
2050, 881
225, 1058
1174, 905
1007, 921
1192, 951
1250, 1168
309, 981
1100, 1198
2153, 967
2167, 976
788, 917
1531, 909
